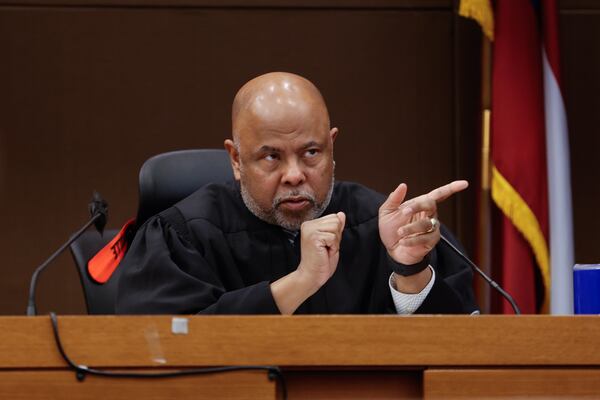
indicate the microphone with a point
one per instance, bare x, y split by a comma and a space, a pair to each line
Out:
489, 280
99, 215
99, 207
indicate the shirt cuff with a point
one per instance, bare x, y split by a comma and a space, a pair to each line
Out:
409, 303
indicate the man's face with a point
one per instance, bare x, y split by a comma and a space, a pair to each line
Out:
285, 167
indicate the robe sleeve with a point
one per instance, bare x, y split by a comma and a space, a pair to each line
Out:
163, 273
452, 291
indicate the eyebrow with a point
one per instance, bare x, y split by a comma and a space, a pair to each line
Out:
268, 149
271, 149
310, 144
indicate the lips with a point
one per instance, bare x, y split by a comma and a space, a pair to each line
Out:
294, 203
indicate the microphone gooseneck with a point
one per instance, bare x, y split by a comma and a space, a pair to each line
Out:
489, 280
99, 210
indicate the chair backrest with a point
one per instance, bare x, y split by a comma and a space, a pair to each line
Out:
164, 180
169, 177
99, 298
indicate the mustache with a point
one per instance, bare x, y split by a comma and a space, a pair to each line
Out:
294, 195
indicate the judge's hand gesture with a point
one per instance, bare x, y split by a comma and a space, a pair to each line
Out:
320, 247
320, 253
409, 229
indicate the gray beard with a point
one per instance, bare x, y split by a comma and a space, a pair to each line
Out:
275, 217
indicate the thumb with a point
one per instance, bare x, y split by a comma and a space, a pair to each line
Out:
395, 198
342, 217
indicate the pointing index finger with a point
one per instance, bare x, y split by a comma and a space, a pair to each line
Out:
443, 192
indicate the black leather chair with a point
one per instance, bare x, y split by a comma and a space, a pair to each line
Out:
169, 177
99, 298
163, 181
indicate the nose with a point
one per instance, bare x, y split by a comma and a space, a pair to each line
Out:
293, 174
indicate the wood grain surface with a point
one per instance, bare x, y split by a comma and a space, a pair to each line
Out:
512, 384
326, 341
45, 385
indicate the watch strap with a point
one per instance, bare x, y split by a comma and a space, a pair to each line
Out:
408, 270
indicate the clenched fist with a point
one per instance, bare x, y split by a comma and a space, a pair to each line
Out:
320, 247
320, 253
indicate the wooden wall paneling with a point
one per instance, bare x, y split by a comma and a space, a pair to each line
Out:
467, 116
375, 384
334, 341
511, 383
322, 356
580, 62
42, 385
90, 91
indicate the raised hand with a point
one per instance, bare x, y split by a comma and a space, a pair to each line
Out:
409, 229
320, 253
320, 247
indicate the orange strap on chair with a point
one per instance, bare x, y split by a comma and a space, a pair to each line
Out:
103, 264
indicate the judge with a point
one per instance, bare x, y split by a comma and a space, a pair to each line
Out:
285, 237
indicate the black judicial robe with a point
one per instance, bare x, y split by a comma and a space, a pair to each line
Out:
209, 254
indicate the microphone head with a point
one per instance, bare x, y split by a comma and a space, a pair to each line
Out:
99, 207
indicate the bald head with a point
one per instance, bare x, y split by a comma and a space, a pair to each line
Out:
282, 149
277, 99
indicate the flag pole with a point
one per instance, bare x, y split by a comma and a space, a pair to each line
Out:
484, 219
482, 12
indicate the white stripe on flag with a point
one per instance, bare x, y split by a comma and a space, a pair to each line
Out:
559, 195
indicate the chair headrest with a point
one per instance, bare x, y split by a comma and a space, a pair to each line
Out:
170, 177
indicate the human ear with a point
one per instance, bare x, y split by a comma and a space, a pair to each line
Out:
333, 134
234, 157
